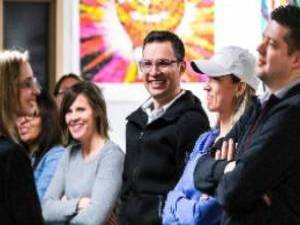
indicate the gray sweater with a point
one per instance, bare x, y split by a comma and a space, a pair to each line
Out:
99, 179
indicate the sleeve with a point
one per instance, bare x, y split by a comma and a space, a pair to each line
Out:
273, 152
192, 212
54, 209
105, 190
184, 205
24, 203
49, 167
208, 171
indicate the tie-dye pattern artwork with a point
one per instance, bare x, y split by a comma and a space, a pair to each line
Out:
111, 34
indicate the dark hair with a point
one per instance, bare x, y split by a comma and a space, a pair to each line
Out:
166, 36
51, 132
60, 81
96, 101
289, 16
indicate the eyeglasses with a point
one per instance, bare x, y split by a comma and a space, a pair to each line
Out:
28, 117
160, 64
30, 82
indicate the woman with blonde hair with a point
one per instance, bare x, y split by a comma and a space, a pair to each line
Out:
231, 83
19, 204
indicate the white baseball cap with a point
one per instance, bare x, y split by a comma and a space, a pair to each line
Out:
229, 60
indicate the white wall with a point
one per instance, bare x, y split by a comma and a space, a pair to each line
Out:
236, 22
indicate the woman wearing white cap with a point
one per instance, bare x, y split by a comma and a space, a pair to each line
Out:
231, 83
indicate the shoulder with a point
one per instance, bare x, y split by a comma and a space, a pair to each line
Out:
188, 105
56, 150
10, 149
111, 148
7, 145
54, 153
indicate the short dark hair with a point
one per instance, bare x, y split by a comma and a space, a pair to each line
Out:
60, 81
289, 16
166, 36
95, 99
51, 132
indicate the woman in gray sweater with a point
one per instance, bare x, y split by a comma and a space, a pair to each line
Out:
88, 179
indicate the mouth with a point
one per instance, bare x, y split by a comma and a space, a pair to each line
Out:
261, 62
75, 128
23, 131
157, 83
149, 18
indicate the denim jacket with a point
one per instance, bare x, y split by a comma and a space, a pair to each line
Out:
184, 205
46, 168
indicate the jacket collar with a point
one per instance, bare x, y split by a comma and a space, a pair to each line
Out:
186, 102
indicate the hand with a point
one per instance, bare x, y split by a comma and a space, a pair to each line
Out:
83, 203
267, 199
229, 167
64, 198
227, 151
204, 197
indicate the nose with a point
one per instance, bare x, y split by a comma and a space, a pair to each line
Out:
261, 48
71, 117
36, 90
154, 69
207, 86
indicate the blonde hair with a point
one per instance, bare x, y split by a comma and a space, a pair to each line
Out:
240, 102
10, 66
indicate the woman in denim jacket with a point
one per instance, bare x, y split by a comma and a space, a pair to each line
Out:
42, 136
231, 82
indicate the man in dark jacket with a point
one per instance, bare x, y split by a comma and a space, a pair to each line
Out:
261, 186
159, 134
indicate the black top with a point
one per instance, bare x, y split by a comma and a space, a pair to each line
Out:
19, 204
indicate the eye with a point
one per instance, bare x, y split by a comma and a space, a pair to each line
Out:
164, 63
145, 63
80, 109
272, 43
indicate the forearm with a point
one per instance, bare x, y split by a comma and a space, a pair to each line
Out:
106, 190
207, 174
59, 210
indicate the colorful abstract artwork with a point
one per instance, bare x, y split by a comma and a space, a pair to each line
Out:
267, 6
111, 34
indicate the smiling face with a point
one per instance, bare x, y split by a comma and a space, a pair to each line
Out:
142, 16
274, 66
80, 119
29, 128
28, 89
162, 83
220, 94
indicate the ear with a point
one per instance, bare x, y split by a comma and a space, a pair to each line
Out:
240, 89
296, 61
182, 67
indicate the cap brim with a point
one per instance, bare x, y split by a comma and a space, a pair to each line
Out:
208, 67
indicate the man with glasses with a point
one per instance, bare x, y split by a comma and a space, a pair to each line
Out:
159, 134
